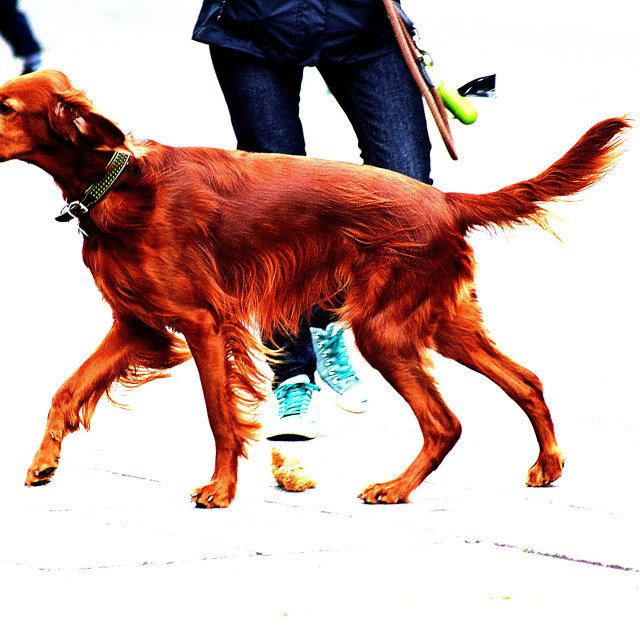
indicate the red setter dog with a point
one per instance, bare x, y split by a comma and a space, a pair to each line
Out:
211, 244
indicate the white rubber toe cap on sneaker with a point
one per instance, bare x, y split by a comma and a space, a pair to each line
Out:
354, 399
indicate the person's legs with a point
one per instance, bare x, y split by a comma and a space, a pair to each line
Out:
384, 106
263, 98
386, 112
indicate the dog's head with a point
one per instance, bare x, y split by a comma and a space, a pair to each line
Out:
40, 111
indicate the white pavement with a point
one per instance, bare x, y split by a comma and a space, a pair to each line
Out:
113, 547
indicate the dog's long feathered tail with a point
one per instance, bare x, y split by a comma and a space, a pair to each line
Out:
521, 203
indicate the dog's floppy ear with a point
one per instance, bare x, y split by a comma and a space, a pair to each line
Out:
75, 118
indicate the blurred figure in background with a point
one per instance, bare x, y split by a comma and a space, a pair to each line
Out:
16, 30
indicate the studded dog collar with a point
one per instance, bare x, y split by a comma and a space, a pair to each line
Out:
96, 191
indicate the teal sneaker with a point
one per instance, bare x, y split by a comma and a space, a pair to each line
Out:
295, 420
335, 370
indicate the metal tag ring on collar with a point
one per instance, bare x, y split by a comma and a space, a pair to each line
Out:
72, 210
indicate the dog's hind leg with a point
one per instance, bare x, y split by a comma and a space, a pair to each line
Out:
464, 338
404, 366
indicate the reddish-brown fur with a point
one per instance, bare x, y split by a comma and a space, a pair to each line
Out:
211, 243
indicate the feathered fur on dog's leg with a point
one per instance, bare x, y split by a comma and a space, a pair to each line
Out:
131, 353
463, 338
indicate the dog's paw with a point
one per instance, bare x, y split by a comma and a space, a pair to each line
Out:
393, 492
546, 469
40, 473
214, 494
45, 462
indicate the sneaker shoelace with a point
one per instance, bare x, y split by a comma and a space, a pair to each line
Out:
294, 399
334, 353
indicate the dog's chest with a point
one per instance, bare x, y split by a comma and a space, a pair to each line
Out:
119, 274
137, 282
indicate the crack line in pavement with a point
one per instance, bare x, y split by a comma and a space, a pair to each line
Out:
559, 556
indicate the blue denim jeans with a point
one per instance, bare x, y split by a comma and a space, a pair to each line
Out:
384, 106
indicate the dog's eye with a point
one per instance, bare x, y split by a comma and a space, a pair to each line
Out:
5, 109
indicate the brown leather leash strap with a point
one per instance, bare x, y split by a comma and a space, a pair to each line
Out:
413, 58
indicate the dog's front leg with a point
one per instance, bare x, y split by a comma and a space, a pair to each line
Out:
83, 388
208, 347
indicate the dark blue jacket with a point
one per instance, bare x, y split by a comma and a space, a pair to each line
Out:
305, 32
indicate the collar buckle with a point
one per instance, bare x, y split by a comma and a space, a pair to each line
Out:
72, 210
